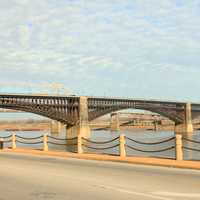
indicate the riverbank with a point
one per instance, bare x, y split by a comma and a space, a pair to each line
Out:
184, 164
41, 125
25, 125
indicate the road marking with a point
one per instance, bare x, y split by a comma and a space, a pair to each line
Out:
178, 194
153, 196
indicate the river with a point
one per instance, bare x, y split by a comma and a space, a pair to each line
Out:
103, 135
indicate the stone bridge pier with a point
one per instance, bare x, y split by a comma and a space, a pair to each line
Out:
82, 128
56, 127
156, 126
186, 128
114, 122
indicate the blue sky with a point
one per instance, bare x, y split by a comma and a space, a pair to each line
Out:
134, 48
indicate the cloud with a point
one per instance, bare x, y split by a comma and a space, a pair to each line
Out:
104, 44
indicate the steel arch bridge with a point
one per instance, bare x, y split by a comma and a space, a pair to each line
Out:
69, 109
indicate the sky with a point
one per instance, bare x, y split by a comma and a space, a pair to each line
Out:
123, 48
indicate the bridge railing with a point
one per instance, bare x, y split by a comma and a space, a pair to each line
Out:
191, 148
121, 145
110, 146
62, 141
160, 148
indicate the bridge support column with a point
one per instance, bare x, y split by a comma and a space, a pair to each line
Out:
185, 129
83, 128
156, 126
114, 122
56, 127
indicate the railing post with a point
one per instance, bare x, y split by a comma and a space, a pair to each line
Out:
1, 143
122, 145
45, 143
13, 141
179, 149
80, 149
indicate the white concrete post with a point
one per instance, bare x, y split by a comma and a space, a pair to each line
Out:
45, 143
179, 149
80, 149
122, 145
13, 141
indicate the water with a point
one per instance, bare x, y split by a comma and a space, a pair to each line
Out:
143, 136
150, 137
19, 116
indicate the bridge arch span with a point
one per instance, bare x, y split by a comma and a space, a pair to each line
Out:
61, 109
165, 113
52, 115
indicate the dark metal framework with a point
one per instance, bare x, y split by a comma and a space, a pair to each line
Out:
66, 109
63, 109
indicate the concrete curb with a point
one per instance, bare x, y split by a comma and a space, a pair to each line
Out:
134, 160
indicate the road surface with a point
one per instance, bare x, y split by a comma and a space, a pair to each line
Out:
41, 177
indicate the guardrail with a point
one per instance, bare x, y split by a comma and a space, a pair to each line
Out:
122, 142
191, 141
151, 143
106, 144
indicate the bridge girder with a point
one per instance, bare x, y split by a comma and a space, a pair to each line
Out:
173, 111
67, 109
64, 109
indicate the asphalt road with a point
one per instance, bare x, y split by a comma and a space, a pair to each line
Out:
38, 177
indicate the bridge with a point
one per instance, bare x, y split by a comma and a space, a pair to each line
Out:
78, 111
127, 118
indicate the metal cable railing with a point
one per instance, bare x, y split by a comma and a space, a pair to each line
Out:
151, 143
68, 144
190, 140
151, 151
29, 138
22, 142
66, 140
87, 144
5, 137
100, 148
7, 141
62, 139
121, 141
101, 142
191, 149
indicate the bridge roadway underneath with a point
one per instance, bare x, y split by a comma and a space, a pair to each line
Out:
77, 111
43, 177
